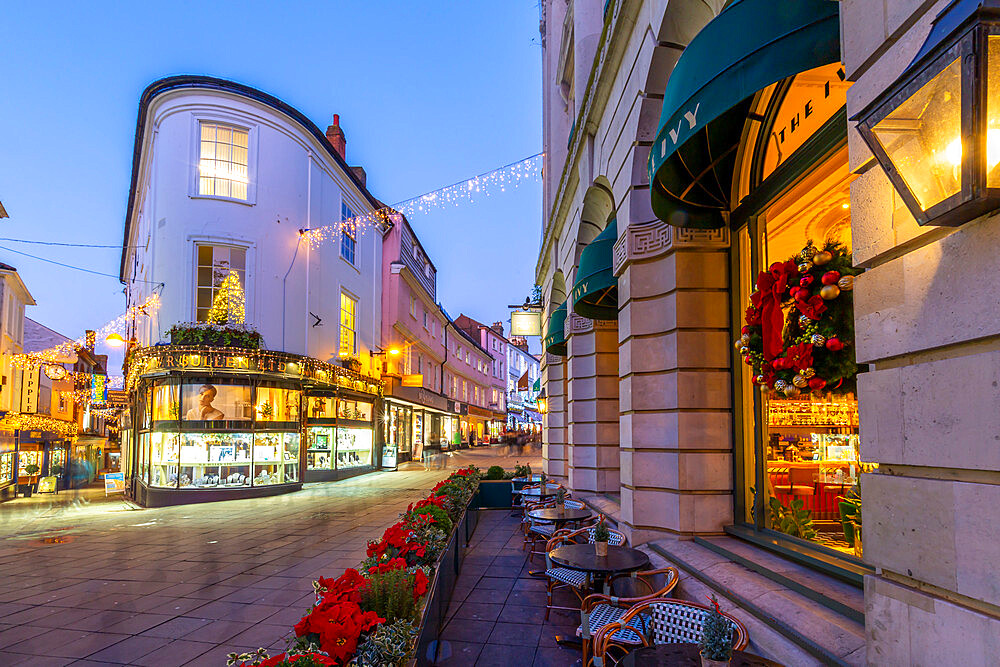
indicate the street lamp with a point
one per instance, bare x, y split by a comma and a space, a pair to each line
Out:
543, 402
115, 340
936, 131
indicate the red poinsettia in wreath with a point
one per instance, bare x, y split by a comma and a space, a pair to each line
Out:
799, 333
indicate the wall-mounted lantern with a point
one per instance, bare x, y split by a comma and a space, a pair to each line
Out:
542, 402
936, 131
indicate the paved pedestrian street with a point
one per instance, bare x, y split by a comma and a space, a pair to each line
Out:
90, 581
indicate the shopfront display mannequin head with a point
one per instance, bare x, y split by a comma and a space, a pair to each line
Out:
205, 410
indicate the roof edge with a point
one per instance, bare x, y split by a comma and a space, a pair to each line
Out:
167, 84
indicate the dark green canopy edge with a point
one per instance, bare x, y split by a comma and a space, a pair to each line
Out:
555, 340
595, 294
750, 45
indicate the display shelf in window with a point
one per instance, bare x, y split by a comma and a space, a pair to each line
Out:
319, 455
321, 407
26, 458
354, 410
166, 402
354, 447
275, 404
6, 468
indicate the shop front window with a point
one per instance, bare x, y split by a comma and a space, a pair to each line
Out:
26, 458
212, 460
216, 402
321, 407
354, 410
277, 405
166, 402
801, 466
354, 447
319, 455
6, 468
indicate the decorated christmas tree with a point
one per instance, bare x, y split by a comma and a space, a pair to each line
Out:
716, 635
229, 305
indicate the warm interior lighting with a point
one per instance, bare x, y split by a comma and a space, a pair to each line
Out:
115, 340
845, 206
394, 351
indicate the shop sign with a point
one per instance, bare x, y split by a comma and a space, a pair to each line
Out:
525, 323
480, 412
813, 98
458, 408
29, 390
47, 485
98, 389
416, 380
114, 482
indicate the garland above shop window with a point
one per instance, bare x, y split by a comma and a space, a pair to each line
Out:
799, 333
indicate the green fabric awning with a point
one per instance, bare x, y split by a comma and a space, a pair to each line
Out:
555, 340
749, 46
537, 386
595, 294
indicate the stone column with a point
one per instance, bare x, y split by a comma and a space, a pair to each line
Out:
676, 387
593, 404
554, 421
926, 324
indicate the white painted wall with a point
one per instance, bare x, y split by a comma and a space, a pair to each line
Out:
294, 184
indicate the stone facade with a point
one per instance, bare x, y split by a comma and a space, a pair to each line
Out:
928, 405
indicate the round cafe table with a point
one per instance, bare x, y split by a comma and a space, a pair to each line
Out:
584, 558
679, 654
550, 491
560, 516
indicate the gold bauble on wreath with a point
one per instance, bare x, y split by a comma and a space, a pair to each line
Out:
846, 283
807, 253
829, 292
745, 339
818, 340
808, 373
822, 257
739, 344
800, 381
791, 391
804, 321
805, 267
780, 385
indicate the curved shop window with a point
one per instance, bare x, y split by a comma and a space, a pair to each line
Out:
218, 433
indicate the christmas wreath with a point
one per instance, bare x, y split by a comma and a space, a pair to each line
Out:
799, 333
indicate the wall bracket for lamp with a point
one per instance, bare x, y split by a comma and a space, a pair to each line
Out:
319, 320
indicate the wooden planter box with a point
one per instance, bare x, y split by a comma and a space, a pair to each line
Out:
442, 586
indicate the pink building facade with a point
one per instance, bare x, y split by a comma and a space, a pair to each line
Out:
436, 379
492, 339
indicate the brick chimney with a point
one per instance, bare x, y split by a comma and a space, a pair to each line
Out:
335, 136
498, 327
362, 176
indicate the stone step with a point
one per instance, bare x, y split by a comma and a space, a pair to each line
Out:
784, 624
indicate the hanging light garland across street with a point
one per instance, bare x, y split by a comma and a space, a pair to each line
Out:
486, 184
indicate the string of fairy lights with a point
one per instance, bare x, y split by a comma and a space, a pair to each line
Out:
501, 179
487, 184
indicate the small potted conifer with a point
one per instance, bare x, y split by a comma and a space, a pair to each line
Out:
716, 637
561, 498
601, 537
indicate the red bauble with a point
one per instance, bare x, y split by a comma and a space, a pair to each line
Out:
834, 345
748, 360
800, 293
816, 384
780, 364
747, 330
806, 280
830, 277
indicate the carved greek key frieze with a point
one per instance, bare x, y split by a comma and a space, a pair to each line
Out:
647, 240
706, 238
577, 324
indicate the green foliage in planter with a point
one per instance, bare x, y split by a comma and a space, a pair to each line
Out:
494, 472
716, 635
31, 469
388, 646
201, 333
56, 469
440, 517
601, 532
434, 540
792, 520
390, 595
522, 471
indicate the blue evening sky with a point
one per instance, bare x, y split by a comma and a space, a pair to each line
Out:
428, 93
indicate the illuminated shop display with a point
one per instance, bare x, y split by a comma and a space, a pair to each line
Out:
6, 468
340, 435
28, 457
233, 423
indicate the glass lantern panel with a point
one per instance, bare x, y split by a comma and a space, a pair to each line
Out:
923, 138
993, 112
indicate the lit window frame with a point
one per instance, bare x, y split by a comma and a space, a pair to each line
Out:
348, 235
194, 189
350, 329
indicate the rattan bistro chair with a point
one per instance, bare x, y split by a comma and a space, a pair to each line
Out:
564, 577
536, 531
657, 621
627, 590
